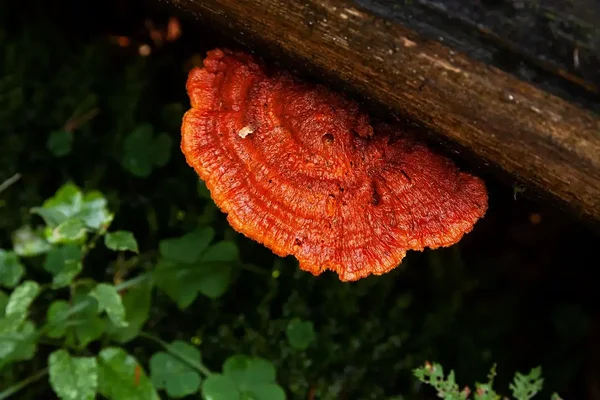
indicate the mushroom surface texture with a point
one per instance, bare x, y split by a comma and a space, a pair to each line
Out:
302, 170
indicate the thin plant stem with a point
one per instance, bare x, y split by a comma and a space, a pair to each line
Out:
9, 182
6, 393
192, 363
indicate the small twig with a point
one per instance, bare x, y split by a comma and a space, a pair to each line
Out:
5, 394
9, 182
192, 363
75, 122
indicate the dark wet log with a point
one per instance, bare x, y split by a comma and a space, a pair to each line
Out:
542, 140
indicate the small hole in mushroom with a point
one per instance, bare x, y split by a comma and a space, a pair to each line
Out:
297, 242
376, 197
327, 138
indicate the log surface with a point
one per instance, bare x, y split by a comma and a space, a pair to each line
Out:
540, 139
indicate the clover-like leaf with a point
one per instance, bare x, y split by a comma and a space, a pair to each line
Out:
300, 334
11, 269
243, 377
188, 248
220, 387
142, 151
173, 374
60, 142
121, 241
73, 378
122, 377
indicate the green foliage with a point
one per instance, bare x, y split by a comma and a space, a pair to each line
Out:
73, 378
243, 377
121, 241
192, 264
100, 310
110, 301
523, 387
60, 142
11, 269
143, 150
122, 378
173, 372
300, 333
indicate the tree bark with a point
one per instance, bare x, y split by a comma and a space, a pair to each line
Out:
540, 139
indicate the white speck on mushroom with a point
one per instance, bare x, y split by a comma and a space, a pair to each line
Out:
245, 131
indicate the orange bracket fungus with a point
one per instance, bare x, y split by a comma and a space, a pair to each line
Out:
302, 170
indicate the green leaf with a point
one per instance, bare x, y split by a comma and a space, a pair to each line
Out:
121, 241
66, 203
29, 243
525, 387
21, 298
190, 267
64, 263
70, 202
223, 251
173, 279
243, 377
220, 387
11, 269
71, 230
60, 143
55, 316
94, 211
138, 148
215, 274
90, 326
176, 376
137, 301
267, 391
188, 248
213, 280
110, 301
26, 345
17, 342
51, 217
249, 371
3, 303
89, 330
73, 378
15, 331
161, 151
300, 333
122, 378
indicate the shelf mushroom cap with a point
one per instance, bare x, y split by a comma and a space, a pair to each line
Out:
300, 169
